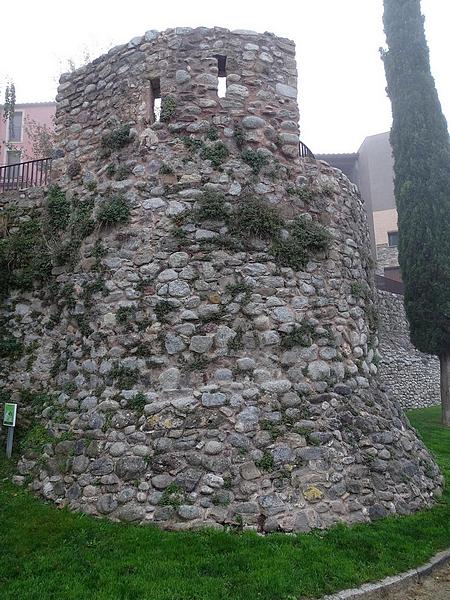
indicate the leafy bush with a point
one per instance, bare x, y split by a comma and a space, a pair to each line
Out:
118, 138
36, 438
58, 209
211, 207
173, 496
168, 108
217, 154
256, 160
305, 238
192, 144
255, 218
113, 211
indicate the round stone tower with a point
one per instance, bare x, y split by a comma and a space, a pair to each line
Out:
217, 361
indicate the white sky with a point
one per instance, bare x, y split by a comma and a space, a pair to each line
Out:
341, 78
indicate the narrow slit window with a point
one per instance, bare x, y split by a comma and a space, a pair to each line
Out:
155, 100
222, 74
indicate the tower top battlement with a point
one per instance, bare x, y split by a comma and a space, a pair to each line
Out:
184, 79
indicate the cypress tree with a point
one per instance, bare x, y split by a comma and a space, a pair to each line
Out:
421, 149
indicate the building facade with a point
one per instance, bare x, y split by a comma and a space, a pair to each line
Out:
372, 169
22, 137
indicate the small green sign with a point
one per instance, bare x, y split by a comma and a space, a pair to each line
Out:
9, 414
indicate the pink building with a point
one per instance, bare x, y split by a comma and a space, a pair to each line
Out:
21, 138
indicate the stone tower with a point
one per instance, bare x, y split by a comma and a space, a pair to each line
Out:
214, 361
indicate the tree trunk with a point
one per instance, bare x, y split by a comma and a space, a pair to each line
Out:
445, 388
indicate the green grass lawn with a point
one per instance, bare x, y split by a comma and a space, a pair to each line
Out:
46, 553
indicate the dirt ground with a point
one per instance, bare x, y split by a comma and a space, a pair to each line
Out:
435, 587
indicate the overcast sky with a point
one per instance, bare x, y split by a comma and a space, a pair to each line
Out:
341, 79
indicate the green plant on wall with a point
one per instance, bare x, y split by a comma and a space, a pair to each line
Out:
239, 136
300, 335
25, 258
217, 153
255, 218
116, 139
11, 348
305, 239
113, 211
58, 209
125, 315
192, 144
211, 206
137, 402
292, 243
168, 108
173, 496
256, 160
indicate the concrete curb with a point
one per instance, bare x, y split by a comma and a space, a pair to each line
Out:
375, 591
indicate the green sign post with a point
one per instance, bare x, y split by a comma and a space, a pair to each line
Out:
9, 420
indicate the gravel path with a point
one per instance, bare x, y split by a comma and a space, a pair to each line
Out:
435, 587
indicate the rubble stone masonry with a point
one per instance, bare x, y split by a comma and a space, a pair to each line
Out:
205, 350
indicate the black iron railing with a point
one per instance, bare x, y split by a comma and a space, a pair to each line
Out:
304, 151
24, 175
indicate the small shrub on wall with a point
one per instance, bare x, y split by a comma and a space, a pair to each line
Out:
113, 211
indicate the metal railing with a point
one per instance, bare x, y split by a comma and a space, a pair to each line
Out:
21, 176
304, 151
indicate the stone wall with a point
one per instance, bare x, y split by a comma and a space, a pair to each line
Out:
199, 355
387, 256
261, 91
410, 376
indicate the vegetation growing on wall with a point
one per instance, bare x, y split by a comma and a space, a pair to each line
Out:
116, 139
256, 160
24, 256
113, 211
292, 244
217, 153
168, 108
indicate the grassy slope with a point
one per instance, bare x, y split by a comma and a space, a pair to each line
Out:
47, 553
